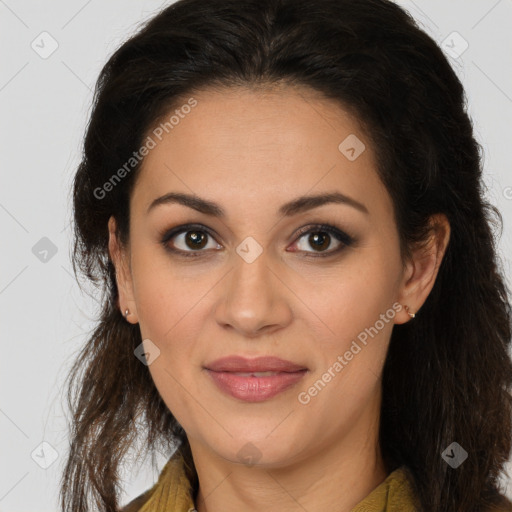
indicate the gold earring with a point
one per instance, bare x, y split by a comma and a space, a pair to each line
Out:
412, 315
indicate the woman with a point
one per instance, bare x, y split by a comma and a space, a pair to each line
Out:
281, 202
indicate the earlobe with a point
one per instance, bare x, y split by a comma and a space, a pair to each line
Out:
412, 315
423, 268
118, 257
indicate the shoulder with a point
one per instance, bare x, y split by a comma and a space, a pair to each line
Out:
173, 487
136, 504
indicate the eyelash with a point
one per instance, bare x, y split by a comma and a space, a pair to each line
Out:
345, 239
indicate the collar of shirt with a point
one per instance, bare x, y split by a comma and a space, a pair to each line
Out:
173, 492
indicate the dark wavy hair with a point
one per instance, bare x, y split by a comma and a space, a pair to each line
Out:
448, 373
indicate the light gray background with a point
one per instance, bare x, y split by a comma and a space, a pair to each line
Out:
45, 104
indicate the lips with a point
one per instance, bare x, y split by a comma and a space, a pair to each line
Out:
254, 380
259, 364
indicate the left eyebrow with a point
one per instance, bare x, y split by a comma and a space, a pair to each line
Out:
305, 203
298, 205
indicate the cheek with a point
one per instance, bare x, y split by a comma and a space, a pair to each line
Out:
355, 318
169, 299
349, 360
353, 297
171, 313
173, 306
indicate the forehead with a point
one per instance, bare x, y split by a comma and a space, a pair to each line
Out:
232, 121
261, 147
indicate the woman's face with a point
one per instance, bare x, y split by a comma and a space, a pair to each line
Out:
245, 281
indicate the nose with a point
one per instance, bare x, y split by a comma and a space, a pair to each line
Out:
253, 299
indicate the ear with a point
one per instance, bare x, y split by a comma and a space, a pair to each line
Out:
422, 268
120, 258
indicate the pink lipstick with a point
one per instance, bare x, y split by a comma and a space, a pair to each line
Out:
254, 380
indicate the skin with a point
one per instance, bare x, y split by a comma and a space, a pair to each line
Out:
250, 152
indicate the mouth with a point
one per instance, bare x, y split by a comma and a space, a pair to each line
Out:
239, 364
254, 380
255, 374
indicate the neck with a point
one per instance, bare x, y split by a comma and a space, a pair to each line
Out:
335, 477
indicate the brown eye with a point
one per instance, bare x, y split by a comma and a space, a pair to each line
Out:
322, 239
195, 239
319, 241
187, 240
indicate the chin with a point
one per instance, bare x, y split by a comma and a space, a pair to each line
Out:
258, 450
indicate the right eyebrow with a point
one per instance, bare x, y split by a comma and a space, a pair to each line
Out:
197, 203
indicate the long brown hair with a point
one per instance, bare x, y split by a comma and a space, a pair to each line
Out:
448, 373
